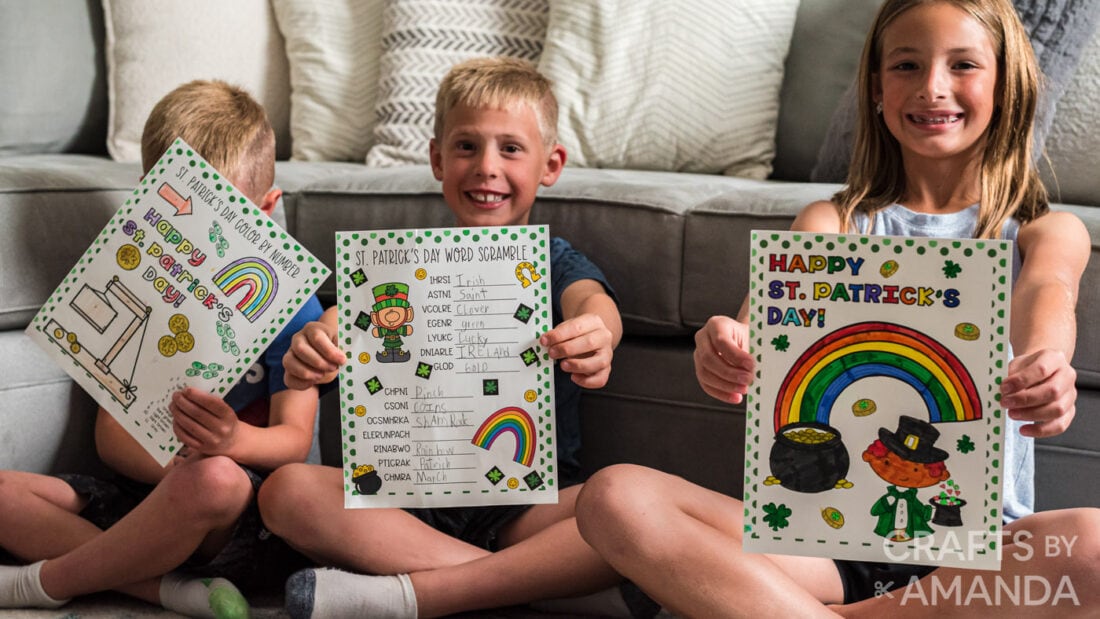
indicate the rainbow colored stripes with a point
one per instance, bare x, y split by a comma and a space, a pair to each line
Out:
256, 277
864, 349
509, 420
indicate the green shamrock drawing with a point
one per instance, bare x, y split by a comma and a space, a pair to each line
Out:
776, 516
964, 444
781, 343
951, 270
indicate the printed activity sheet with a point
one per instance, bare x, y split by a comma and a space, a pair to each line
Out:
186, 286
448, 397
874, 430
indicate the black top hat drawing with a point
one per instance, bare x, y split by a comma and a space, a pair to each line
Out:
914, 440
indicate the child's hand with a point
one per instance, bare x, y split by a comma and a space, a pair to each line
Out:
313, 358
723, 364
203, 422
582, 345
1040, 388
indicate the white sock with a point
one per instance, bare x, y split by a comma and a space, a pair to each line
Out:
213, 598
606, 603
21, 587
321, 593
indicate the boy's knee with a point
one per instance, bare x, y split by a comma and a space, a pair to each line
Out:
215, 488
277, 496
612, 496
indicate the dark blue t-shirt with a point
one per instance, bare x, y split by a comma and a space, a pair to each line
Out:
251, 397
567, 266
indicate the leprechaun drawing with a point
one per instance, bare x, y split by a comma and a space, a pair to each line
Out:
389, 315
908, 459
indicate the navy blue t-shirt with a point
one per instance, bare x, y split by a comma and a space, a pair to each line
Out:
567, 266
250, 397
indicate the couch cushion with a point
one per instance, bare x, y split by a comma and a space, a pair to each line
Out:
63, 109
46, 420
634, 96
153, 47
716, 238
630, 223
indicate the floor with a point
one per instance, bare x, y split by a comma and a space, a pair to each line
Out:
117, 606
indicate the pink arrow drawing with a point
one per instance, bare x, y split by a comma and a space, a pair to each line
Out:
170, 195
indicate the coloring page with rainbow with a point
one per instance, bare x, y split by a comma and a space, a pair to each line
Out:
186, 286
448, 397
873, 427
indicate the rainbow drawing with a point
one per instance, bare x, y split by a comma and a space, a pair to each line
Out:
864, 349
254, 275
509, 420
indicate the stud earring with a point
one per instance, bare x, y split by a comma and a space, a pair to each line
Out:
878, 107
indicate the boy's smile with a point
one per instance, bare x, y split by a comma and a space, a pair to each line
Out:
491, 163
937, 81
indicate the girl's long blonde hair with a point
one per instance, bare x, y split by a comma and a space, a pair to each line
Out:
1010, 183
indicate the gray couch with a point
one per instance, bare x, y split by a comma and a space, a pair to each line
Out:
674, 246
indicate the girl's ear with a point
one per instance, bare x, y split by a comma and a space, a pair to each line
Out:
876, 90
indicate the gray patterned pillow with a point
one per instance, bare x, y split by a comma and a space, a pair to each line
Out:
421, 41
1059, 31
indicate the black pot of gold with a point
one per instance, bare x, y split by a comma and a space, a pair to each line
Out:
808, 456
366, 479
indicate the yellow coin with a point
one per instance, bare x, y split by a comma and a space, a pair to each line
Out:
178, 323
360, 410
71, 337
128, 257
832, 517
864, 407
364, 357
530, 395
167, 345
513, 483
75, 348
967, 331
185, 341
58, 333
420, 274
888, 268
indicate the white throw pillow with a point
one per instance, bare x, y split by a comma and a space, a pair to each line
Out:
676, 86
333, 47
152, 47
421, 41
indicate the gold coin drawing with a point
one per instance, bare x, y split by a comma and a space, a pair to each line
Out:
888, 268
420, 273
530, 395
832, 517
513, 483
967, 331
178, 323
364, 357
185, 341
128, 257
360, 410
864, 407
167, 345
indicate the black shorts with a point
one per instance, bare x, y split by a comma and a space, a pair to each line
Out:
479, 526
254, 559
867, 579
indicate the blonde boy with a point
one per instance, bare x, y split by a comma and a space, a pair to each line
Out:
495, 144
198, 511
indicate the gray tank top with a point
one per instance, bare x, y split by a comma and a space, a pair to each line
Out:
1019, 456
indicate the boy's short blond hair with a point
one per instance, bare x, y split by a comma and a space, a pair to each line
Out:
498, 83
224, 124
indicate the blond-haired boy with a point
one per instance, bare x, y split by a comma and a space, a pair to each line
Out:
495, 144
85, 535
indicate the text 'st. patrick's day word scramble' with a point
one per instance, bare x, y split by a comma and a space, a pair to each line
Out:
874, 430
186, 286
448, 397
